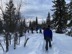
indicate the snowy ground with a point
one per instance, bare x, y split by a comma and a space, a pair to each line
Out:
61, 44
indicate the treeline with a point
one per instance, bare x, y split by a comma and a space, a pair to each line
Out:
12, 19
61, 18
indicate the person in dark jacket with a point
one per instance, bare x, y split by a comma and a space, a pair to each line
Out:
48, 37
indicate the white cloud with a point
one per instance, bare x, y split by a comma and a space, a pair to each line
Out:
32, 8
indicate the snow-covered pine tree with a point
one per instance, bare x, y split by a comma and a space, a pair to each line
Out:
70, 18
10, 16
70, 13
60, 15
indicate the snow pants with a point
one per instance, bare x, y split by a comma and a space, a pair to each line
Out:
48, 43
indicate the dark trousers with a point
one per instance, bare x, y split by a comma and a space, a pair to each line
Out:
48, 42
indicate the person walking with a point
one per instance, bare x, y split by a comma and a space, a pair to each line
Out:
47, 37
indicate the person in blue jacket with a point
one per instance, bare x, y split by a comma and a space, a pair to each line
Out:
48, 37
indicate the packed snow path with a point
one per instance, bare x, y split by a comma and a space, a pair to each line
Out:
61, 44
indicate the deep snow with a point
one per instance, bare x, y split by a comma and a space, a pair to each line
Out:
61, 44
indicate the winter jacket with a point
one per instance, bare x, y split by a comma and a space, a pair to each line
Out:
47, 34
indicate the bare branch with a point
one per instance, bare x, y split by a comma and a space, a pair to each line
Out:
19, 6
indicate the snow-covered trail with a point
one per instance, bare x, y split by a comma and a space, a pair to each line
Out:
61, 44
34, 45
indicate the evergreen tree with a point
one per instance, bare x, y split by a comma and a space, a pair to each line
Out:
48, 22
10, 16
60, 15
30, 25
24, 26
70, 17
18, 19
36, 24
70, 13
70, 23
36, 21
64, 13
33, 26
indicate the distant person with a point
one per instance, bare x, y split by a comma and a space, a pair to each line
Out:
28, 30
32, 30
40, 30
36, 29
48, 37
